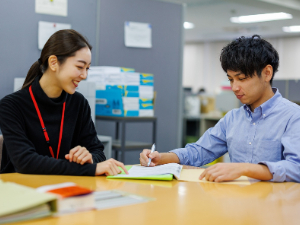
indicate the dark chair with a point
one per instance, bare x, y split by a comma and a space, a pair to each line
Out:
1, 146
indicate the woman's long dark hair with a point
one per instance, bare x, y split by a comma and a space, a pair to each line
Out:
62, 44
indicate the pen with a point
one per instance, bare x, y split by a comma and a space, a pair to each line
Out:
152, 150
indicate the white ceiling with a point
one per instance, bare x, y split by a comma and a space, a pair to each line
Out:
212, 18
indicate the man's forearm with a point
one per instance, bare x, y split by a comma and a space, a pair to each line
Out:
168, 158
257, 171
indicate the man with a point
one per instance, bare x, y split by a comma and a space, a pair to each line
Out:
262, 137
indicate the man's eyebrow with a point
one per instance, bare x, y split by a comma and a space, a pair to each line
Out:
235, 74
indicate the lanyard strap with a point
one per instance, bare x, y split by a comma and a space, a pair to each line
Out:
43, 125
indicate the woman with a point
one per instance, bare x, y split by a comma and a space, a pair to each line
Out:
47, 126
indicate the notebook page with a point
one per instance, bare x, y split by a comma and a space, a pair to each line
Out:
142, 171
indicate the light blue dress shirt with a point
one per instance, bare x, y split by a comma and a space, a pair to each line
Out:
270, 135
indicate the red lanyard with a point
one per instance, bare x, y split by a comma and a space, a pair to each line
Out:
43, 125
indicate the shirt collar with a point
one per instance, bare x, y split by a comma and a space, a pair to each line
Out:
267, 106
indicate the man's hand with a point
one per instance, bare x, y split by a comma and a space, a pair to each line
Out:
110, 167
79, 155
231, 171
146, 154
223, 172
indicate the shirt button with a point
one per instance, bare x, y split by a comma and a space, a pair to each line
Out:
249, 143
264, 115
253, 123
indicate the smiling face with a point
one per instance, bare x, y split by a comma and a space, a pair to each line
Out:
73, 70
252, 91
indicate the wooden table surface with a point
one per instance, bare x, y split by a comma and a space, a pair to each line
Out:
180, 202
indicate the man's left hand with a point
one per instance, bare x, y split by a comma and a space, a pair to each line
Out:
223, 172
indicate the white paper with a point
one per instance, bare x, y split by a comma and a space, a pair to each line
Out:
114, 198
138, 35
131, 100
46, 29
47, 188
142, 171
52, 7
146, 112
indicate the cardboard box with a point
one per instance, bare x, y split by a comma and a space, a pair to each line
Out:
109, 103
207, 103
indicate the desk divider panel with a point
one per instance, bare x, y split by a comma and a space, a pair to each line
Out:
102, 22
163, 60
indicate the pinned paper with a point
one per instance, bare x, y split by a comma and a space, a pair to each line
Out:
46, 29
52, 7
138, 35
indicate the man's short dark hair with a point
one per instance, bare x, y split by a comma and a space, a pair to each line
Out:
249, 55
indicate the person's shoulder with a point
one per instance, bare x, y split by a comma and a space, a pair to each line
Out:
291, 106
235, 112
78, 99
14, 98
233, 115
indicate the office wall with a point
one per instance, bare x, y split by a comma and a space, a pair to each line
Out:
164, 60
19, 35
201, 64
201, 67
288, 50
18, 47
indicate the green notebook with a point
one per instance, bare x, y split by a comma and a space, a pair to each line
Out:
153, 177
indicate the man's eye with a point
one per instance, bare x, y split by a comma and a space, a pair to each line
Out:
230, 80
242, 78
79, 67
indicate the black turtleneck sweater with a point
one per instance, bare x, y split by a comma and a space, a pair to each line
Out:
25, 149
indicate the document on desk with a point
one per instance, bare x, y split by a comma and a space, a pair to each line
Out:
18, 203
165, 172
115, 198
192, 175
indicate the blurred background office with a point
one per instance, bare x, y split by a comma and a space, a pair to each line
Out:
192, 91
210, 25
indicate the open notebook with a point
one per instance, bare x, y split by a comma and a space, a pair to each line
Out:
167, 171
162, 172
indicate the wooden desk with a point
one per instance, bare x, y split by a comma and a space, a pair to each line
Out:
180, 202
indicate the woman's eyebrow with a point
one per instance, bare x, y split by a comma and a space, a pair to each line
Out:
82, 61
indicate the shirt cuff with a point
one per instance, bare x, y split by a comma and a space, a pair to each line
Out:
92, 169
278, 172
182, 157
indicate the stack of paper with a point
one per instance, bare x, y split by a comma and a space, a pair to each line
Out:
107, 76
18, 202
110, 69
71, 197
122, 92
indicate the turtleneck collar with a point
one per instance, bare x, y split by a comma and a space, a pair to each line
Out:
41, 96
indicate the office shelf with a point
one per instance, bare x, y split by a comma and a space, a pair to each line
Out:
131, 145
120, 144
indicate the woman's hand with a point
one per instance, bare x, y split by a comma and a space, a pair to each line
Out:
110, 167
79, 155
